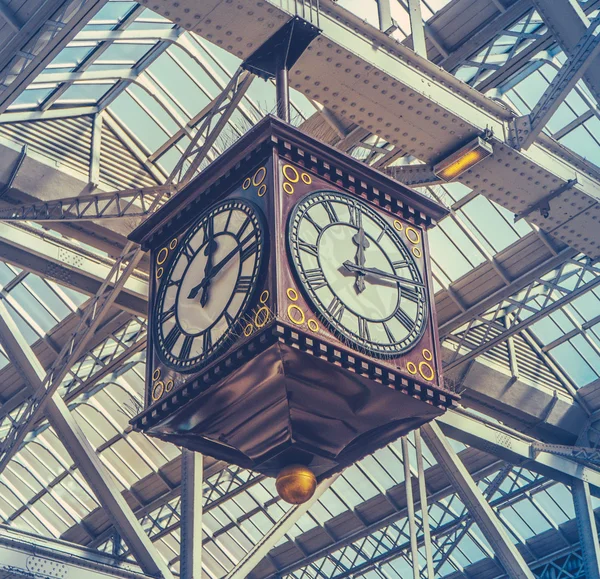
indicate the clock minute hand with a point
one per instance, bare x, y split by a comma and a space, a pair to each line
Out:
376, 271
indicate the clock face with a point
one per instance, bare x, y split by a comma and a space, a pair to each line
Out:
208, 284
355, 268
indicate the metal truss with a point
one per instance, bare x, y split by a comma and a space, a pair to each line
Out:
126, 203
218, 112
22, 554
84, 455
52, 26
222, 108
524, 130
454, 521
512, 315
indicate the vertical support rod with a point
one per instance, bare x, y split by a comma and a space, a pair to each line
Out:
282, 90
410, 506
385, 15
191, 514
424, 506
94, 172
586, 525
417, 27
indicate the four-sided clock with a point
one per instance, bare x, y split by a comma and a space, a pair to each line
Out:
291, 317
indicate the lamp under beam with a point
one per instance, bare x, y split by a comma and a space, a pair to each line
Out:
463, 159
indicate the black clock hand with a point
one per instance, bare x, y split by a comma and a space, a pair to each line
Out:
211, 274
209, 251
376, 271
362, 243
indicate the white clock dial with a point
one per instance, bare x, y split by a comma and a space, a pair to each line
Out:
208, 284
355, 268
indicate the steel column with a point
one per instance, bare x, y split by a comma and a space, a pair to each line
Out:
410, 505
424, 506
586, 525
191, 514
91, 467
471, 496
417, 27
384, 12
283, 526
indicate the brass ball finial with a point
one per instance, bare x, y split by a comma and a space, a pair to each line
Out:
296, 484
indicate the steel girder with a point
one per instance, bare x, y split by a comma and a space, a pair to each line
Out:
191, 514
479, 509
524, 130
588, 532
23, 554
568, 23
53, 25
541, 297
125, 203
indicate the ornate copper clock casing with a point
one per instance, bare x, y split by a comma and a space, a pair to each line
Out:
288, 384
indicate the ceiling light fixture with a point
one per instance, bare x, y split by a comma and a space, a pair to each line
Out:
463, 159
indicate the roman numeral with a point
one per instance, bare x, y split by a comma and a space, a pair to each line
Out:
336, 308
413, 294
229, 318
309, 248
172, 338
207, 341
228, 220
188, 251
316, 278
243, 284
243, 228
384, 231
166, 315
355, 214
186, 348
313, 222
208, 228
388, 333
399, 264
328, 206
248, 250
404, 319
363, 329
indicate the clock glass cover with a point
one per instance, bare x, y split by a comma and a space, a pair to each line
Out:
355, 268
208, 284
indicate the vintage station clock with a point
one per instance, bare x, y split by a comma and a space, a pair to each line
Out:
291, 316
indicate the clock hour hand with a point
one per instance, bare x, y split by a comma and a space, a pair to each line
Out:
379, 272
362, 243
209, 251
214, 270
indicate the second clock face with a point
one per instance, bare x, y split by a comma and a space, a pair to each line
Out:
208, 284
357, 271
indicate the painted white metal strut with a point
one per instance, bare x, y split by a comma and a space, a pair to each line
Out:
524, 130
283, 526
191, 514
586, 525
472, 497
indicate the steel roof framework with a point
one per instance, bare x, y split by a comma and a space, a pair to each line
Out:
230, 535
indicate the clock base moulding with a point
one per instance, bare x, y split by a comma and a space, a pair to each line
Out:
286, 397
288, 383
